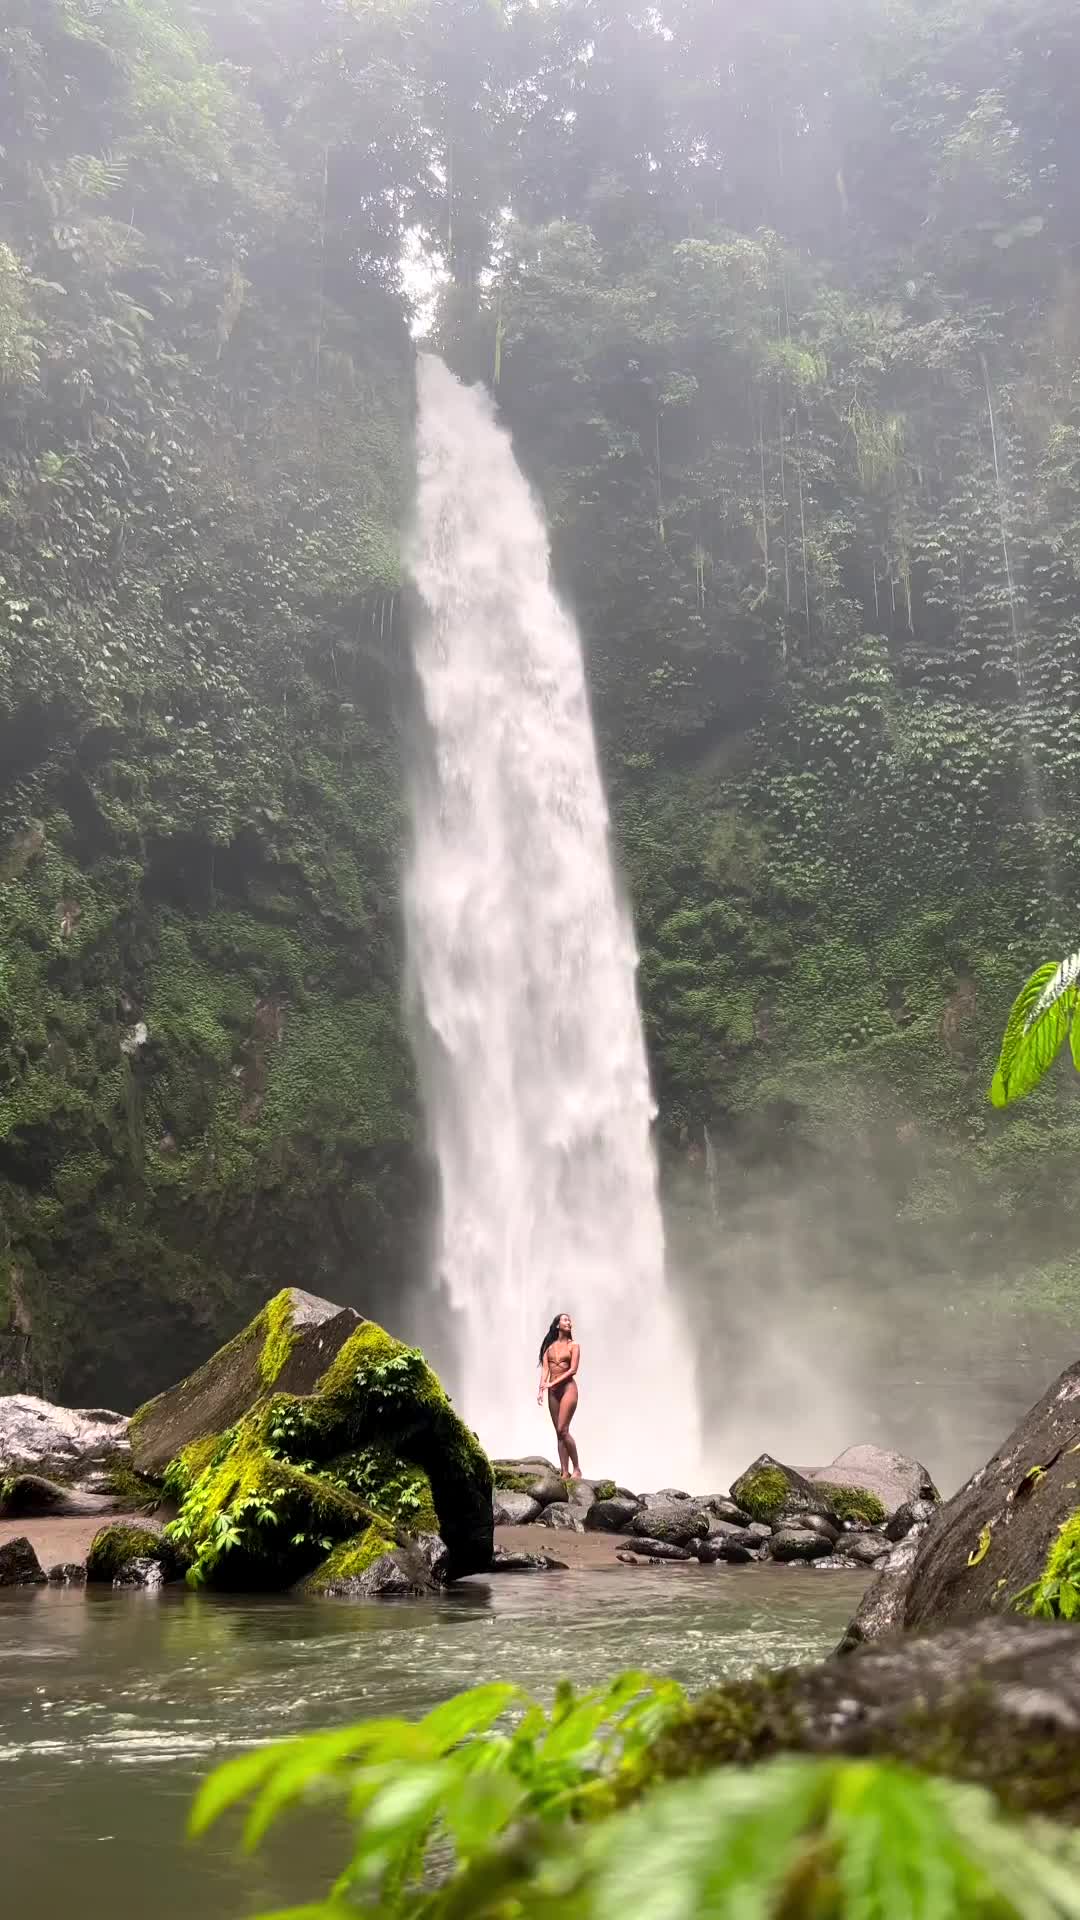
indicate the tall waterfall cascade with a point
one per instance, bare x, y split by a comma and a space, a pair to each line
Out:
521, 969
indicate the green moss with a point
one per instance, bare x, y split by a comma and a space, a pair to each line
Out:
763, 1493
507, 1481
605, 1489
116, 1546
134, 1489
389, 1484
279, 1337
186, 1466
351, 1559
252, 1519
853, 1503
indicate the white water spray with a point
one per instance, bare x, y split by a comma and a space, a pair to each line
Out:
522, 979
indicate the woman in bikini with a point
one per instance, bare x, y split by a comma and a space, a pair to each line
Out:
559, 1356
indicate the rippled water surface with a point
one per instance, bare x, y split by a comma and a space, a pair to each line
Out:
113, 1706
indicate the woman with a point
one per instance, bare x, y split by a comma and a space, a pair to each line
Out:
559, 1356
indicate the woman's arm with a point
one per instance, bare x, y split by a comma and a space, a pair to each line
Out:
544, 1379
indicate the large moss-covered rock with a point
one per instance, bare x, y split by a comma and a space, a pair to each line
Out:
289, 1345
994, 1538
996, 1702
370, 1451
892, 1479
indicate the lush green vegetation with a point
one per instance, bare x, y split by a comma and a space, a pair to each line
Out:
783, 319
461, 1816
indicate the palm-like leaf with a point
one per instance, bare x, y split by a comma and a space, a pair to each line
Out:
1044, 1015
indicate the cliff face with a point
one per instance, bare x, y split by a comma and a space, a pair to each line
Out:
810, 461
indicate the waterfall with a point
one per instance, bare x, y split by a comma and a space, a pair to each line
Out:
521, 971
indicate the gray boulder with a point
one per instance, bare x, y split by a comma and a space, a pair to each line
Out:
913, 1513
835, 1563
610, 1516
881, 1610
796, 1543
561, 1519
19, 1564
581, 1496
722, 1536
724, 1509
810, 1523
661, 1550
514, 1509
67, 1573
678, 1521
29, 1496
145, 1574
866, 1549
62, 1443
894, 1478
503, 1561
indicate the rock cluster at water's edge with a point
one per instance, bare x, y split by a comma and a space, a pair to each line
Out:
773, 1512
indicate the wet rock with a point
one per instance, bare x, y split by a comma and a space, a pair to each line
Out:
661, 1550
562, 1519
722, 1535
835, 1563
993, 1701
123, 1544
914, 1513
434, 1555
678, 1521
894, 1478
810, 1523
503, 1561
760, 1530
724, 1509
881, 1610
548, 1490
665, 1494
59, 1442
768, 1489
143, 1573
19, 1564
734, 1552
610, 1516
67, 1573
796, 1543
866, 1549
514, 1509
29, 1496
581, 1496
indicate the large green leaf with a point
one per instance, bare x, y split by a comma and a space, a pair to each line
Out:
1041, 1020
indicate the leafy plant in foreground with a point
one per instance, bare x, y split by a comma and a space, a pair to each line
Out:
1044, 1015
457, 1820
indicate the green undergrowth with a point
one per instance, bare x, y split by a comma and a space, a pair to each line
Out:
353, 1558
1056, 1593
763, 1493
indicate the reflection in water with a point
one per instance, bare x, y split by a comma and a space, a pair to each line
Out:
112, 1706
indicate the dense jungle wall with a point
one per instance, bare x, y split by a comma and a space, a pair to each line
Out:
784, 322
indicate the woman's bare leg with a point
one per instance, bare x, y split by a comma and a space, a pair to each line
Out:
567, 1444
555, 1411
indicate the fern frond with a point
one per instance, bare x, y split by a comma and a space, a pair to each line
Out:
1042, 1017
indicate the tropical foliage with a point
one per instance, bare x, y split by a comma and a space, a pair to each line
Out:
459, 1817
780, 302
1044, 1017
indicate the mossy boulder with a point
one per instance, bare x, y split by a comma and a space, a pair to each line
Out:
288, 1346
997, 1702
116, 1549
768, 1489
993, 1541
29, 1496
371, 1448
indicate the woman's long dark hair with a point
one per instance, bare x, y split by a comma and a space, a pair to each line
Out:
550, 1337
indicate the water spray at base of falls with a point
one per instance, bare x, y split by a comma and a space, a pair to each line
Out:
521, 967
